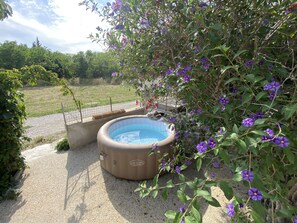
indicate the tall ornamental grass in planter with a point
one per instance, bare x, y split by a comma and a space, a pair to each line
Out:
233, 65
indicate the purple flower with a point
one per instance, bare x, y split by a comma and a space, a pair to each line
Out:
234, 90
212, 175
224, 100
216, 164
270, 67
163, 165
257, 115
219, 132
188, 68
281, 141
206, 66
272, 95
212, 143
199, 111
197, 49
155, 147
119, 27
230, 210
202, 4
206, 128
270, 132
241, 205
192, 112
114, 74
177, 169
145, 23
295, 219
176, 135
188, 162
116, 5
273, 86
261, 62
247, 175
172, 120
169, 71
182, 209
181, 72
247, 122
266, 138
255, 194
223, 108
187, 78
201, 147
249, 63
204, 60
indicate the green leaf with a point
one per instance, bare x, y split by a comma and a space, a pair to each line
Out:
227, 143
198, 164
224, 69
237, 177
235, 128
260, 121
155, 193
257, 218
196, 214
155, 181
284, 213
165, 195
239, 53
260, 211
181, 177
202, 193
169, 184
225, 157
213, 202
257, 183
258, 132
289, 110
182, 196
260, 95
289, 155
232, 79
170, 214
246, 98
234, 136
190, 219
228, 191
242, 146
250, 77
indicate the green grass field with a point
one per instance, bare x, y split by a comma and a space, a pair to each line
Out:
47, 100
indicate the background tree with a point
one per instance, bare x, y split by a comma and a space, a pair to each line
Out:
5, 10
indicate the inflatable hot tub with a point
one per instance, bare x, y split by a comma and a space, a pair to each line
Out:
124, 144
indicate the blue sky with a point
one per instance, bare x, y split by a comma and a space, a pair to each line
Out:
60, 25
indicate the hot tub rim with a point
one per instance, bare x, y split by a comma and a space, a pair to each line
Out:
103, 136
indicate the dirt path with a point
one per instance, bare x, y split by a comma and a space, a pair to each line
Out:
52, 124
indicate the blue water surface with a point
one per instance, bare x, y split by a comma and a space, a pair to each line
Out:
139, 134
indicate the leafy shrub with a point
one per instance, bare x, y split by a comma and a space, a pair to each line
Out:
233, 65
62, 145
12, 116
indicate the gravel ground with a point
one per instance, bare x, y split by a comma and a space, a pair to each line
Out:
52, 124
72, 187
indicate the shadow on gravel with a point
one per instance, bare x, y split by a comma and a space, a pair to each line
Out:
80, 179
136, 210
9, 207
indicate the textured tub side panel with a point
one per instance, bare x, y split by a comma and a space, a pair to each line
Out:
132, 165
